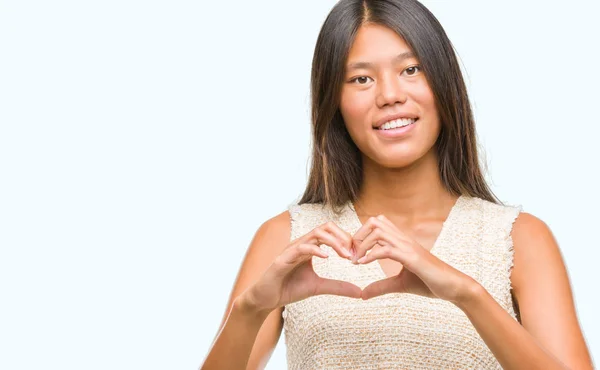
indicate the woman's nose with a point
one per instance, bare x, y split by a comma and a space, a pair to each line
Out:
390, 91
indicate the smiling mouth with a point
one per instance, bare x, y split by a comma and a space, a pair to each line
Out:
396, 124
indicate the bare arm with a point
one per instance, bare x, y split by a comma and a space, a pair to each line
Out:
251, 335
543, 291
238, 337
550, 337
276, 271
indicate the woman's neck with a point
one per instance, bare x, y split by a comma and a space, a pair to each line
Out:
410, 194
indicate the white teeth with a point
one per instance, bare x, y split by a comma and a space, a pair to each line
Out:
397, 123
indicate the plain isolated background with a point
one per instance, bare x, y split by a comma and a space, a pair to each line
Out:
142, 144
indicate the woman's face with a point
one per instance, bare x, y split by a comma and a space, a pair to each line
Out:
387, 87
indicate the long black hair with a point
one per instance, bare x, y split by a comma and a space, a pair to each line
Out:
336, 165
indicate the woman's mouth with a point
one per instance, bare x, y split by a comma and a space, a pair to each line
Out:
397, 128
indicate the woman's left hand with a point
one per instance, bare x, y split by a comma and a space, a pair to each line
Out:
422, 273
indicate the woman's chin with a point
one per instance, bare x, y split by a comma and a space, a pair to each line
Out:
397, 161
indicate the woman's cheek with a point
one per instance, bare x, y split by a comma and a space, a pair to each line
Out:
355, 109
423, 96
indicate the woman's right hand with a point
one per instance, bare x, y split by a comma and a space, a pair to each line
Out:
291, 278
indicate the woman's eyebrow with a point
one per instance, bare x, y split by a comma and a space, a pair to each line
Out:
366, 65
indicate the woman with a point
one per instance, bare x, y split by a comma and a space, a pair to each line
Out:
398, 255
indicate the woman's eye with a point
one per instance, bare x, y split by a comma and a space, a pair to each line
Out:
412, 68
361, 78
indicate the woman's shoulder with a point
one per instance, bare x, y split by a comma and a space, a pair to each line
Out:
482, 211
278, 226
521, 225
484, 204
312, 211
295, 213
528, 235
295, 220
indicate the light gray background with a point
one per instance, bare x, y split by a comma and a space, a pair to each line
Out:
142, 144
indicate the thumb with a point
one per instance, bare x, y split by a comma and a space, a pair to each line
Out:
337, 287
394, 284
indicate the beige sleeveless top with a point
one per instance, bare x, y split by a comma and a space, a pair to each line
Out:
401, 331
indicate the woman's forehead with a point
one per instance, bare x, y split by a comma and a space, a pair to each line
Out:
375, 45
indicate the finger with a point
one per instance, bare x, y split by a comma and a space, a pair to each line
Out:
299, 253
392, 229
374, 248
363, 232
385, 251
376, 237
337, 287
341, 234
410, 260
386, 221
366, 229
320, 235
385, 286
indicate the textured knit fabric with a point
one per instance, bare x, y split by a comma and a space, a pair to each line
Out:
401, 331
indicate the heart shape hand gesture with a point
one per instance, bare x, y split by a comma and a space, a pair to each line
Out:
422, 273
291, 276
